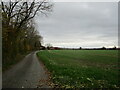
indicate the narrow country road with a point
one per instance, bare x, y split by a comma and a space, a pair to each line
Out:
29, 73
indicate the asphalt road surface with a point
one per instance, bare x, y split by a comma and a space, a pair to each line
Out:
29, 73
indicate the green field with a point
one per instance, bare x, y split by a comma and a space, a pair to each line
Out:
82, 68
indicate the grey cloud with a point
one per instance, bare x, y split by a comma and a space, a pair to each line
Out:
80, 22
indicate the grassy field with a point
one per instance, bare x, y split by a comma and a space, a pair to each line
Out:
82, 68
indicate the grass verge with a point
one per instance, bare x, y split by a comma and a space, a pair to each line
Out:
9, 63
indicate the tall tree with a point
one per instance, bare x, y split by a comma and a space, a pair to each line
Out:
19, 12
18, 30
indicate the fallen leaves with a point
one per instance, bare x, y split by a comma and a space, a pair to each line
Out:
89, 79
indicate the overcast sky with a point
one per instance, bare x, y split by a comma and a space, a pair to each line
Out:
80, 24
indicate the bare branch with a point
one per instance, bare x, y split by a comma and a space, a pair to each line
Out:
21, 12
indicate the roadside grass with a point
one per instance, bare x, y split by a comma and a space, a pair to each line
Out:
82, 68
12, 61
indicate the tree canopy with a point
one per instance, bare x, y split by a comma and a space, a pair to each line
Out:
19, 34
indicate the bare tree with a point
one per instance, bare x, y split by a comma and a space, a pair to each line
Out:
18, 30
19, 12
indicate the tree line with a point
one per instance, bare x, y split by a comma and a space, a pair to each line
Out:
19, 34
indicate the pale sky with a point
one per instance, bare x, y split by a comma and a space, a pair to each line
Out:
80, 24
